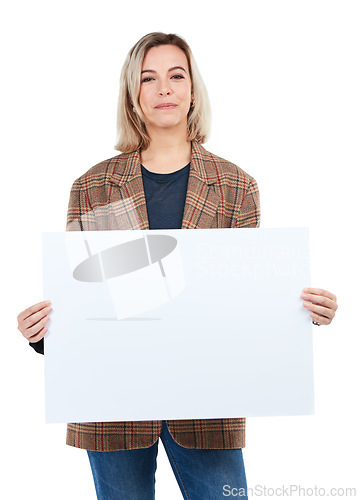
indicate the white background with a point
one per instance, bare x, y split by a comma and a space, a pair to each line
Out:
282, 80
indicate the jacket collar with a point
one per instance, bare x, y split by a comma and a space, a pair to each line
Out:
127, 165
201, 198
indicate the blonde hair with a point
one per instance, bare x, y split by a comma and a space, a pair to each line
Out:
131, 129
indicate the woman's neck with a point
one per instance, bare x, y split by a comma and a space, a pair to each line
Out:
166, 154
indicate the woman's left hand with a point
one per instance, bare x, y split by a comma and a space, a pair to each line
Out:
322, 304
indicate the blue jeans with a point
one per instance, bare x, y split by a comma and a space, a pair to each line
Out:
201, 474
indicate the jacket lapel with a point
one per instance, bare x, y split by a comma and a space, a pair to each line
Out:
126, 193
127, 197
201, 199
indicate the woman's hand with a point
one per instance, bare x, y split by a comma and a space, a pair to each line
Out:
32, 321
322, 304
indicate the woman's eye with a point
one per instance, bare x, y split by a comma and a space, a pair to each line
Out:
148, 78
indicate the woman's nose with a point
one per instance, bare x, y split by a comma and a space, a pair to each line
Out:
165, 91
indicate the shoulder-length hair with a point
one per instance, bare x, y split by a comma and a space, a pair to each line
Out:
131, 129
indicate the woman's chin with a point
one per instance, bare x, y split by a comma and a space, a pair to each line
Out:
166, 124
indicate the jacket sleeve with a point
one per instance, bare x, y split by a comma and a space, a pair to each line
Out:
38, 346
75, 208
249, 213
74, 223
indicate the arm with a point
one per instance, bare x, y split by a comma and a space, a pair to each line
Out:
32, 321
32, 324
321, 303
249, 213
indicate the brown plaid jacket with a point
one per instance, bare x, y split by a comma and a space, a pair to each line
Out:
111, 196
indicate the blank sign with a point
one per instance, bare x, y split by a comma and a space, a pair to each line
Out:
177, 324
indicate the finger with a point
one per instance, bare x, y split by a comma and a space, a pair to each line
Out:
320, 310
39, 336
320, 319
35, 318
33, 309
34, 330
320, 291
321, 300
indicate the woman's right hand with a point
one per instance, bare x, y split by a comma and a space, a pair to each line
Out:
32, 321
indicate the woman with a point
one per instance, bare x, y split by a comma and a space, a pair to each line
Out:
164, 179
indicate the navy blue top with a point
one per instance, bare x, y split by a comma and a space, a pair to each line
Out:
165, 196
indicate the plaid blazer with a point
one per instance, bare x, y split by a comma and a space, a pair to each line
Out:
111, 196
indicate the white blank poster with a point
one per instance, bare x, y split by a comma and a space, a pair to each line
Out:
177, 324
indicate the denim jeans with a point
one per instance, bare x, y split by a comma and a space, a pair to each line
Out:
201, 474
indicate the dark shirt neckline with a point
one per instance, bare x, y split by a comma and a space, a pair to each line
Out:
165, 177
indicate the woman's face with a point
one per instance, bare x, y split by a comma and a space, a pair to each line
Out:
165, 78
